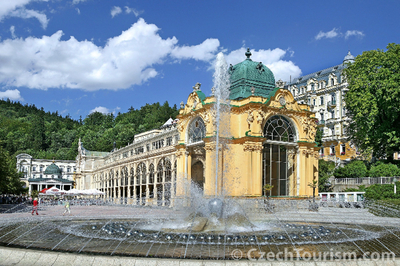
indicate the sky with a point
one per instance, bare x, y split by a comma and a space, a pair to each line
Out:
80, 56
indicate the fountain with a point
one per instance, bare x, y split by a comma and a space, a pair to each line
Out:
211, 228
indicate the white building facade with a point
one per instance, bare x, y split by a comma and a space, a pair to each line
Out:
324, 92
35, 177
141, 173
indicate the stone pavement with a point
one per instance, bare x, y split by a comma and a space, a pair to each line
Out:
23, 256
26, 257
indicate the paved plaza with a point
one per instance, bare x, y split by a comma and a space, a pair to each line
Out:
24, 256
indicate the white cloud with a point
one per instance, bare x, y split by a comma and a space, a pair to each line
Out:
13, 95
77, 1
350, 33
129, 10
16, 8
27, 13
115, 11
78, 11
127, 59
329, 35
12, 30
7, 6
204, 51
100, 109
273, 59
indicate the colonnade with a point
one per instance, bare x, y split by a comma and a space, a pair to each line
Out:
150, 181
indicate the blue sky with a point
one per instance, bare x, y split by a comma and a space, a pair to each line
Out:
77, 56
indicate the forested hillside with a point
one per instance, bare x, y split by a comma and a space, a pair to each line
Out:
25, 128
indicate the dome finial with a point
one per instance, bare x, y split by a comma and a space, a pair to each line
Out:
248, 53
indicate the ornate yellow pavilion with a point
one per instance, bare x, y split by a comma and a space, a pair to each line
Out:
268, 139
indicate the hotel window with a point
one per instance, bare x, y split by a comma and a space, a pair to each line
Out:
34, 168
68, 170
41, 168
312, 87
322, 100
342, 149
332, 150
332, 82
169, 141
314, 102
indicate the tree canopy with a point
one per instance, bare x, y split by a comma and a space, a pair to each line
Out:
45, 135
373, 100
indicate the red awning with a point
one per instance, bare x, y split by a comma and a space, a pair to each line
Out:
43, 190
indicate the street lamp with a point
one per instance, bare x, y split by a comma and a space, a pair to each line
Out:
394, 181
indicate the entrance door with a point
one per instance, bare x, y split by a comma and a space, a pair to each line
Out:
275, 169
278, 155
198, 174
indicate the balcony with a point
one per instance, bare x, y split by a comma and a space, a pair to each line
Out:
321, 123
331, 104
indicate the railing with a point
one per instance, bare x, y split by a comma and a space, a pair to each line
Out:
331, 104
364, 180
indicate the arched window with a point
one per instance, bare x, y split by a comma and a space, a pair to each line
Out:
141, 173
151, 174
197, 130
279, 128
132, 176
167, 169
126, 175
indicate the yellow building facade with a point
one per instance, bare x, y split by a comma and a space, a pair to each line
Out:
270, 141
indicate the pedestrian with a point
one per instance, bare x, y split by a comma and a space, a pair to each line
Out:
67, 208
35, 206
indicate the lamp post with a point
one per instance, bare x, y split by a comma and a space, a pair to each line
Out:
394, 181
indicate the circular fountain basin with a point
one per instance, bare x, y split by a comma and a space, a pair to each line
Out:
149, 238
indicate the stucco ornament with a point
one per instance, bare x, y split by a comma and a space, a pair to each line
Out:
197, 87
309, 127
282, 101
250, 118
206, 118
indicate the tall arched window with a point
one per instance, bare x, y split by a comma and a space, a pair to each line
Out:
141, 174
279, 128
278, 155
126, 175
132, 176
197, 130
151, 174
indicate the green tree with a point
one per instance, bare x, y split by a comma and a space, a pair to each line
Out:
352, 170
325, 171
384, 170
9, 177
373, 100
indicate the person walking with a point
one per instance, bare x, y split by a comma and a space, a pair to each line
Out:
35, 206
67, 209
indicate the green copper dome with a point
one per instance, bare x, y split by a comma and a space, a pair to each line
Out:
249, 74
52, 169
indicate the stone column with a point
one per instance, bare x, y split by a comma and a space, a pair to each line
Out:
129, 184
134, 184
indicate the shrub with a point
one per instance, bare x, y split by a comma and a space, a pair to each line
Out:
384, 170
351, 170
378, 192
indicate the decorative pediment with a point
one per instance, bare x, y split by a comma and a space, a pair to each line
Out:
194, 102
284, 99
